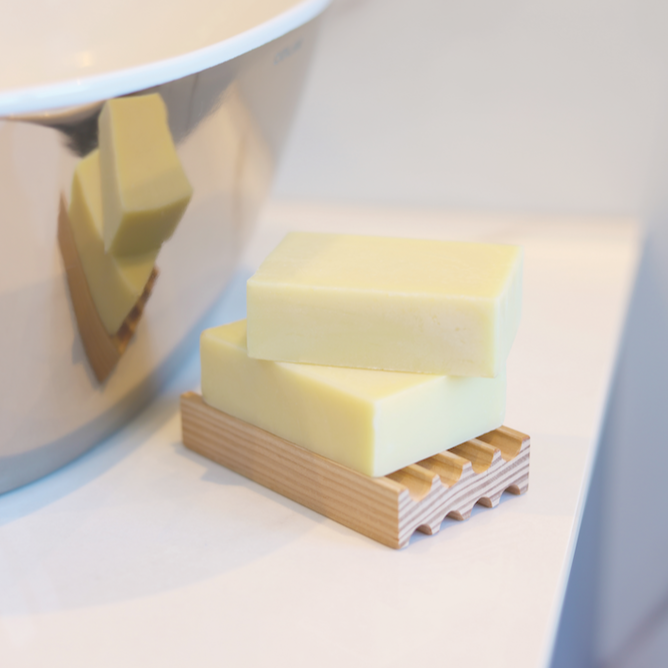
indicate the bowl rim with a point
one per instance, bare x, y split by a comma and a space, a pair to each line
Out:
85, 90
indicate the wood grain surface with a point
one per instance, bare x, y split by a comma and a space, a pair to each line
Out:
388, 509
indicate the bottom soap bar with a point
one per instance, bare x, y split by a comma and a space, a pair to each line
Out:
115, 284
374, 422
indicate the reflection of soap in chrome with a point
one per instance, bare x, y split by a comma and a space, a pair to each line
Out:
144, 188
374, 422
115, 283
382, 303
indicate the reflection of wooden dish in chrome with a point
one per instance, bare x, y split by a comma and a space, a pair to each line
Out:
388, 509
102, 350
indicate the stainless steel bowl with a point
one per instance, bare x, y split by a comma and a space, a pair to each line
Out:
229, 112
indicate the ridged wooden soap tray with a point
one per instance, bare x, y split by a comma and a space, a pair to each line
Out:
388, 509
103, 351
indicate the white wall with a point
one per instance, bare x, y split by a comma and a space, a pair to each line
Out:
559, 104
544, 105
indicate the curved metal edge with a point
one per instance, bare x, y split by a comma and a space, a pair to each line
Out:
121, 82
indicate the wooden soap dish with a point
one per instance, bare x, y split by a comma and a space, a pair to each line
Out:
103, 351
388, 509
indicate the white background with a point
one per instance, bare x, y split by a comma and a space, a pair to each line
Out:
552, 106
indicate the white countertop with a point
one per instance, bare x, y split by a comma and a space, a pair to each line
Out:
142, 553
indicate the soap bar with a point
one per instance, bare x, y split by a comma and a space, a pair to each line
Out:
115, 283
383, 303
374, 422
144, 188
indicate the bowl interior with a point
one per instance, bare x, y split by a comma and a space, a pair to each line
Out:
64, 54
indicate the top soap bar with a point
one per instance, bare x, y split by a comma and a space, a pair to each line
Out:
383, 303
144, 188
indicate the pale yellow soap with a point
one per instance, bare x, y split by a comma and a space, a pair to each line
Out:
115, 283
372, 421
384, 303
144, 188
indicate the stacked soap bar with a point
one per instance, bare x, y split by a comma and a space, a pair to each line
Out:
382, 303
373, 352
127, 198
372, 421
